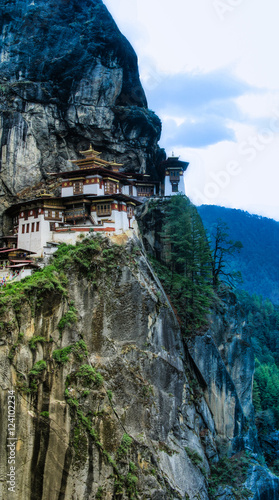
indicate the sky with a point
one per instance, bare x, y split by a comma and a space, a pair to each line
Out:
210, 72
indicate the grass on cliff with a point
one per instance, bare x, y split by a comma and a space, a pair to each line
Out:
87, 257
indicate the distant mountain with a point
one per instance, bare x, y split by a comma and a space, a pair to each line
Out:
258, 261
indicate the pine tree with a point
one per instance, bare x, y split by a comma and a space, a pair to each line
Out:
187, 256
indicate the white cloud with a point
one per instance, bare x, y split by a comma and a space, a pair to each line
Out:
239, 49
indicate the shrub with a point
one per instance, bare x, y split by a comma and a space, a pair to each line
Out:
44, 414
124, 446
89, 375
194, 456
38, 368
33, 342
68, 319
61, 355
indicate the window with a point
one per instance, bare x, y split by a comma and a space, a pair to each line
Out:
78, 187
175, 187
25, 215
103, 209
145, 190
38, 226
33, 227
174, 175
27, 228
23, 229
130, 211
110, 187
52, 226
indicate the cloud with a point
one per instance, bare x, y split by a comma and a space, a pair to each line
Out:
189, 92
201, 133
197, 109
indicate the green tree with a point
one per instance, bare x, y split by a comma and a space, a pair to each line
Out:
188, 259
223, 249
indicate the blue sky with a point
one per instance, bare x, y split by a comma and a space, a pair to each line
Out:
209, 69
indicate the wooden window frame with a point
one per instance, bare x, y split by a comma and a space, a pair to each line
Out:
103, 209
77, 187
130, 211
110, 187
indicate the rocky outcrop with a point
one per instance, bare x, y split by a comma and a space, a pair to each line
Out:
145, 426
109, 400
222, 355
68, 78
223, 359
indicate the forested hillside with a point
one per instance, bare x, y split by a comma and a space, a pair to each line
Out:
258, 260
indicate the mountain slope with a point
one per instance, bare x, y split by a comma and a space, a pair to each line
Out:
258, 261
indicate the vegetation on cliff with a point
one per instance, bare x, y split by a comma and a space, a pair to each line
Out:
185, 265
87, 391
263, 324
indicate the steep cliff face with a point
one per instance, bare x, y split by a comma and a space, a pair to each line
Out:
123, 414
224, 360
222, 353
108, 403
68, 78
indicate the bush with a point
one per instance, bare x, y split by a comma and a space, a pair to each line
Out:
68, 319
231, 472
80, 350
44, 414
33, 342
194, 456
89, 375
61, 355
124, 446
38, 368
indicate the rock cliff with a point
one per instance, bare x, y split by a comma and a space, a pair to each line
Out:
104, 403
223, 359
68, 78
110, 403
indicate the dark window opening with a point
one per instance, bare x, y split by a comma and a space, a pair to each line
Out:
103, 209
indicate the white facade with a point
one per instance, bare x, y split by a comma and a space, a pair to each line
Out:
169, 186
120, 217
35, 229
90, 185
